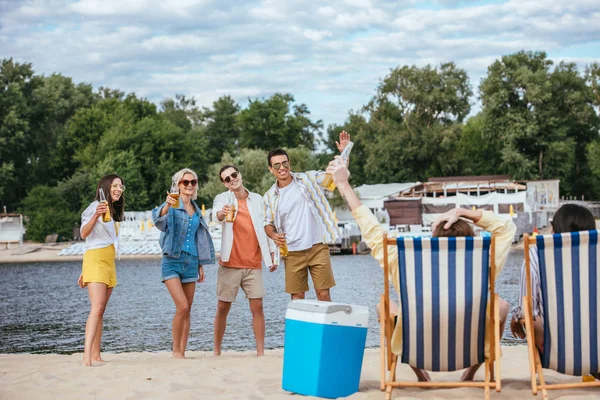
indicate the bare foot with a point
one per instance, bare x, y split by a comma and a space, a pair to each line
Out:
179, 356
217, 352
98, 359
86, 361
260, 353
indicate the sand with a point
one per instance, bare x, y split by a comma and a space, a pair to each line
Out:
234, 375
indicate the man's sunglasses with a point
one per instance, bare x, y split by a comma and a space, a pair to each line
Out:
278, 165
186, 182
231, 177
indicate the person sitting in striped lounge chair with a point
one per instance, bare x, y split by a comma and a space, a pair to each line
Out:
449, 224
568, 218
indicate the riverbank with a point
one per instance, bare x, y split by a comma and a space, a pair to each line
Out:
231, 376
50, 254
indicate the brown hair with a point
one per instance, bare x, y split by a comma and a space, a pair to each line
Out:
460, 228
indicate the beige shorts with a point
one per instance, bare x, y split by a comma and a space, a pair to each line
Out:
229, 281
299, 263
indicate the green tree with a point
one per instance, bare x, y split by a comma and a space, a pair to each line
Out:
48, 212
277, 122
414, 123
17, 85
221, 130
544, 119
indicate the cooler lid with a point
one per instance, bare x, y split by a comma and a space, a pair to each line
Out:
328, 313
324, 307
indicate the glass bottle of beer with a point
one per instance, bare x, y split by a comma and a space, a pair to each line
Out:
231, 214
106, 217
328, 180
283, 250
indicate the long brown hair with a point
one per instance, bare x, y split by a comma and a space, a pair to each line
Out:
117, 209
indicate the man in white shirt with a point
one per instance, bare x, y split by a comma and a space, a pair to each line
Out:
298, 214
244, 246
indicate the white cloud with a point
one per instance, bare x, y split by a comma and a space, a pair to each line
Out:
330, 54
316, 35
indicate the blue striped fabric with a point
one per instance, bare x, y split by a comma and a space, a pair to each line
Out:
569, 278
444, 292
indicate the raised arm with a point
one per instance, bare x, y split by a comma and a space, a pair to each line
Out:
90, 217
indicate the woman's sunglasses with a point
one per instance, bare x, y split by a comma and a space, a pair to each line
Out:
285, 164
231, 177
193, 182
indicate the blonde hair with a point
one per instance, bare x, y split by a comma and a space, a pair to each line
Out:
179, 176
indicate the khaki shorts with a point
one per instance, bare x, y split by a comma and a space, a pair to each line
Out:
229, 281
299, 263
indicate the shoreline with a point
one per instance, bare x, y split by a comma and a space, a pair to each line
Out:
232, 375
51, 255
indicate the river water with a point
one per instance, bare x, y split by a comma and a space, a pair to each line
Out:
42, 310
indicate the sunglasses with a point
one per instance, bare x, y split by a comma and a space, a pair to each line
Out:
277, 166
117, 186
231, 177
193, 182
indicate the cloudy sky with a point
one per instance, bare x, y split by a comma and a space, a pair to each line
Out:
328, 54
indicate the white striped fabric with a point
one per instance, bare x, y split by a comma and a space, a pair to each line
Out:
569, 279
444, 291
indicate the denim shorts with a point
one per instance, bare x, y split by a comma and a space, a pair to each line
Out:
184, 268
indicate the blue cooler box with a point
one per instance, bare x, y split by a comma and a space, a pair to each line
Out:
324, 347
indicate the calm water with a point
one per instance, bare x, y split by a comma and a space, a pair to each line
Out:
42, 310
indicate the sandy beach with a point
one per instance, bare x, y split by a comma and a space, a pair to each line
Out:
235, 375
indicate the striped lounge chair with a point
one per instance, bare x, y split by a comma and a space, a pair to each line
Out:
569, 266
444, 288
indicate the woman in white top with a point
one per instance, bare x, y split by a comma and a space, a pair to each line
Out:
99, 228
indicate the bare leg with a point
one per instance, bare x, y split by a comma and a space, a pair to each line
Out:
258, 324
538, 333
98, 298
323, 294
189, 289
182, 313
223, 308
470, 372
98, 338
297, 296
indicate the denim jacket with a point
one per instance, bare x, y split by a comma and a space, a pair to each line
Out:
173, 226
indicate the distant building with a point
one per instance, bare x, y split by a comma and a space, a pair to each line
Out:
374, 196
11, 230
423, 202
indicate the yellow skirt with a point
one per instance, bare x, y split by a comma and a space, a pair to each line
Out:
99, 266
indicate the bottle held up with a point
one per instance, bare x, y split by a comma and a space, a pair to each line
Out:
344, 157
106, 217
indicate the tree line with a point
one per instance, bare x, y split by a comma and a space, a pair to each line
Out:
537, 120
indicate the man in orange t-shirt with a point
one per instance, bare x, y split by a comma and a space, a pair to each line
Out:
244, 247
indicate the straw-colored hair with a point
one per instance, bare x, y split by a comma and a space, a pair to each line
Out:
179, 176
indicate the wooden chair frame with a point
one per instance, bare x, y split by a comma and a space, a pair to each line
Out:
389, 360
535, 362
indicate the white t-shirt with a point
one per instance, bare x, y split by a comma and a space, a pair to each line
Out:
298, 223
103, 234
